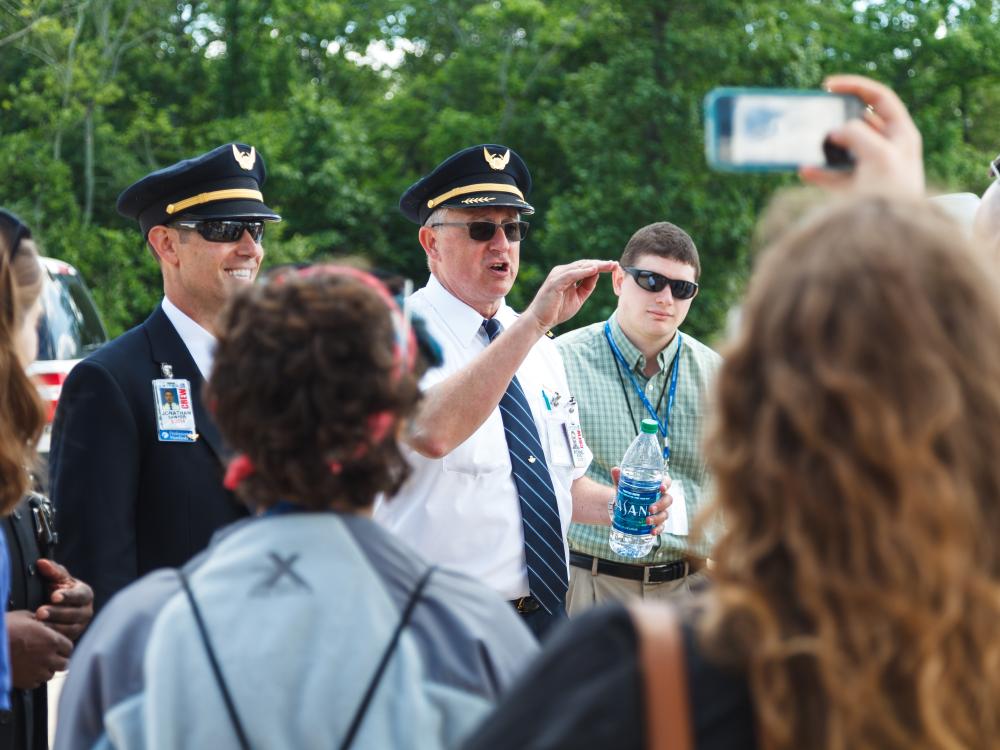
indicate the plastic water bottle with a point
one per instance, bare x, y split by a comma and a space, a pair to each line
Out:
638, 488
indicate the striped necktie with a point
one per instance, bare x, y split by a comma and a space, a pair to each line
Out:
543, 540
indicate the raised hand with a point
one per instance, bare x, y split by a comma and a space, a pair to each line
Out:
564, 291
887, 146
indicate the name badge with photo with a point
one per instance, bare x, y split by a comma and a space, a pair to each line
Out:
174, 411
566, 444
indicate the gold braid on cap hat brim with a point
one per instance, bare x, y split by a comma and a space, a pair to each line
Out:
481, 187
215, 195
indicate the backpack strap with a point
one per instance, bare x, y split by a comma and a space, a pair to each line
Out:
665, 688
362, 709
390, 648
234, 717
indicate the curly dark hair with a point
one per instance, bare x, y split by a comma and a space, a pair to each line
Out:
306, 377
854, 450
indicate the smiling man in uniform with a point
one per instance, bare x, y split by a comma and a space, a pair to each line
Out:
138, 487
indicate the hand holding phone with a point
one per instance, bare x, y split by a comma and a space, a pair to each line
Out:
887, 145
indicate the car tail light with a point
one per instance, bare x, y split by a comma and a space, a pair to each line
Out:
50, 386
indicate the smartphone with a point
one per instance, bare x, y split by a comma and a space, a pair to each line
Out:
776, 130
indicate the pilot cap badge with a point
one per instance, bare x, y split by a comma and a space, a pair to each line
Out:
496, 161
245, 160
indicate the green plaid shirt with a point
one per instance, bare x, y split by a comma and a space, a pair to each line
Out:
606, 396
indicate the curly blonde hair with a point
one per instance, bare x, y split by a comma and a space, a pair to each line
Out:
854, 448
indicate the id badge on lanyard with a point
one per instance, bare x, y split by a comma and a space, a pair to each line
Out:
174, 411
562, 424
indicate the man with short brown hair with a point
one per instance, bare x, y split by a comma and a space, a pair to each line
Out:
634, 366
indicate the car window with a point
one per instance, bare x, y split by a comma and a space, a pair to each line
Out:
70, 327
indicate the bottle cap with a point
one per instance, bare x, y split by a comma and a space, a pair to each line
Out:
649, 426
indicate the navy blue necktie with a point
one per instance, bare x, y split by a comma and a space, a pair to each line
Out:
543, 540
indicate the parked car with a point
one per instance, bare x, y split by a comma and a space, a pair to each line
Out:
69, 329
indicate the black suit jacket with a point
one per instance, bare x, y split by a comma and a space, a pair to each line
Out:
127, 503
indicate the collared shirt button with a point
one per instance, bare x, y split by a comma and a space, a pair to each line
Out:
31, 569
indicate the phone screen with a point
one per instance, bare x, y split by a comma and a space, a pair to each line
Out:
776, 129
790, 128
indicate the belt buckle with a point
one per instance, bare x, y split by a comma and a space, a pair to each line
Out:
685, 571
524, 604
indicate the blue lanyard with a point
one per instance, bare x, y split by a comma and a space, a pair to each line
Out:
663, 424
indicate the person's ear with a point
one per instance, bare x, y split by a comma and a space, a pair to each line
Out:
164, 242
428, 241
617, 279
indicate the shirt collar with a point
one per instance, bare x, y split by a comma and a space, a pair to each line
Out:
633, 357
463, 321
199, 342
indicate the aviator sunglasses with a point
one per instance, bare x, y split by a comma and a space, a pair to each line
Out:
483, 231
655, 282
224, 231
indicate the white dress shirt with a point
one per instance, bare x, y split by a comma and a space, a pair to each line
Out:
462, 511
199, 342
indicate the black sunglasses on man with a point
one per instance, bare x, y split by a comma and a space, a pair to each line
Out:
656, 282
483, 231
218, 230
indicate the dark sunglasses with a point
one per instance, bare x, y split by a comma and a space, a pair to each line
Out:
656, 282
224, 231
483, 231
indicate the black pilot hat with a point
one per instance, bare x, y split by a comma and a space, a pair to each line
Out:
222, 184
478, 176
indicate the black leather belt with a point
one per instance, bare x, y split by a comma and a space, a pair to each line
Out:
526, 605
670, 571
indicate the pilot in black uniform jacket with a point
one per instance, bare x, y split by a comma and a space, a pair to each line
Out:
128, 501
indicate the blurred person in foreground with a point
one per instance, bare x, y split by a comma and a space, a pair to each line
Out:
47, 609
986, 224
856, 588
324, 627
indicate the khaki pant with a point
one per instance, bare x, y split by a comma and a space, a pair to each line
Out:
587, 590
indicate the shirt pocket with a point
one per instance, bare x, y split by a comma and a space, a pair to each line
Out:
483, 453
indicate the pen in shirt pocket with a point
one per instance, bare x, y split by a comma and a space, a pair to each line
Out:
545, 397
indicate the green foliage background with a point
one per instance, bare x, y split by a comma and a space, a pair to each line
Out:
352, 101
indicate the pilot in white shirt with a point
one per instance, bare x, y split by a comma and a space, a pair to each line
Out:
460, 508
